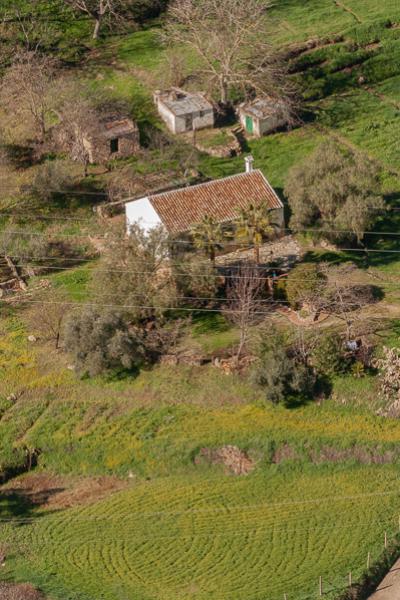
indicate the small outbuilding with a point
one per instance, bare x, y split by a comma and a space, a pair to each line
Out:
263, 115
114, 137
184, 111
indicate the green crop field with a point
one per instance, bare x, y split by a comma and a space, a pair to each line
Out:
220, 537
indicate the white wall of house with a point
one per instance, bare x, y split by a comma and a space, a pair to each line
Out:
167, 116
278, 217
262, 126
270, 124
203, 119
142, 212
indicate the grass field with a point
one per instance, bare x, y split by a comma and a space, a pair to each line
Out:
221, 537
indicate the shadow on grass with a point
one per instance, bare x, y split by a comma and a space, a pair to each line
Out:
24, 504
322, 390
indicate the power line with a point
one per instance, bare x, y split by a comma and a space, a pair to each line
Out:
221, 275
139, 306
145, 222
227, 309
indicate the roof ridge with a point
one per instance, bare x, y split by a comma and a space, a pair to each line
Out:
207, 183
271, 188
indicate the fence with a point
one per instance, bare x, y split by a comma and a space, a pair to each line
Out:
357, 586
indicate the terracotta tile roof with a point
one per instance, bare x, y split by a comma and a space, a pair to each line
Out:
179, 209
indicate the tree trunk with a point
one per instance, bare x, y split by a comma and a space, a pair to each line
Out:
257, 254
97, 28
224, 91
212, 256
242, 341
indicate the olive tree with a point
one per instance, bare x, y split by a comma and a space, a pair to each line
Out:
279, 369
101, 340
335, 190
134, 273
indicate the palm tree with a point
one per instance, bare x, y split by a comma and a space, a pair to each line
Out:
254, 224
207, 236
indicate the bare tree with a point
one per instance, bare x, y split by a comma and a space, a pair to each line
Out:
26, 26
78, 120
244, 301
345, 301
328, 289
47, 319
24, 90
230, 39
389, 370
98, 11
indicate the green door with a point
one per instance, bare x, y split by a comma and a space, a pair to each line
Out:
249, 124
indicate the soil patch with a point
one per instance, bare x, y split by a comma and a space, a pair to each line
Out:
235, 461
329, 454
56, 492
23, 591
360, 455
283, 453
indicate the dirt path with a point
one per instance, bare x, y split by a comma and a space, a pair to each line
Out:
348, 10
389, 588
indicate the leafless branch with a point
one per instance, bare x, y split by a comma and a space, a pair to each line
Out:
244, 301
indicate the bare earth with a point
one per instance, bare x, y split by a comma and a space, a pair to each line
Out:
389, 588
57, 492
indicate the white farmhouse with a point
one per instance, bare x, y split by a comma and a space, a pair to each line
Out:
177, 210
184, 111
263, 115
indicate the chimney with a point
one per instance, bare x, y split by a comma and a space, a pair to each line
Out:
249, 160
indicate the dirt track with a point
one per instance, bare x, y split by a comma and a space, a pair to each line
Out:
389, 588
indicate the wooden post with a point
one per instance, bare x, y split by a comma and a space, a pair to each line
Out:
320, 586
368, 560
385, 539
284, 597
350, 580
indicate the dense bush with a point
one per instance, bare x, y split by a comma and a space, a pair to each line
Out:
328, 356
335, 190
102, 341
196, 278
52, 181
279, 372
304, 283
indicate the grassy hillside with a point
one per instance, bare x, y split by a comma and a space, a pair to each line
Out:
325, 484
184, 528
197, 536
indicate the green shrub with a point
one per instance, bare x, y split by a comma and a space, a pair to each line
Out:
279, 373
102, 341
328, 356
303, 284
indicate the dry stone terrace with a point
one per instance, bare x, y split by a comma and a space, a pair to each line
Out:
284, 252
